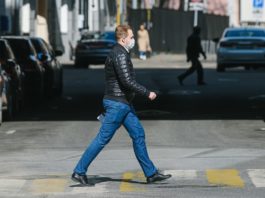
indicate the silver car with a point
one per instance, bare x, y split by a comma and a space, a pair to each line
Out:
244, 46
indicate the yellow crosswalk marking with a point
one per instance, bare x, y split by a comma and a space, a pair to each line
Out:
227, 177
127, 186
48, 185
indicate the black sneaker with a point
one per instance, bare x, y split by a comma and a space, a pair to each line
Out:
82, 179
180, 80
157, 177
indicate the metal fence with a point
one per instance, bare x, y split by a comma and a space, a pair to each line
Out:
169, 29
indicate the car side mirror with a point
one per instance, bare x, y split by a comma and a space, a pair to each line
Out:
58, 53
43, 57
11, 63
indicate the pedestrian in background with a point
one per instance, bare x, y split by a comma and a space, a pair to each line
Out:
120, 90
143, 42
193, 51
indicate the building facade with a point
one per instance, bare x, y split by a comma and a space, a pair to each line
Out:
59, 22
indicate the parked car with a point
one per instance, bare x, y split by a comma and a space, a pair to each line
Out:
26, 57
242, 46
13, 79
53, 70
95, 50
1, 95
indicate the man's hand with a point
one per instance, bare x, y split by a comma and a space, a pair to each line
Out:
152, 95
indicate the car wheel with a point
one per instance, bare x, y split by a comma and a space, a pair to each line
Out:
8, 113
1, 111
15, 104
78, 64
247, 68
21, 96
59, 89
220, 68
18, 102
21, 105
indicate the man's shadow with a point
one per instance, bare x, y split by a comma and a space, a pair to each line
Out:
95, 179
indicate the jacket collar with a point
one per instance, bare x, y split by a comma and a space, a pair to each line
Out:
123, 48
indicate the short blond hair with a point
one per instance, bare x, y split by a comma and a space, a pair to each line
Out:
121, 31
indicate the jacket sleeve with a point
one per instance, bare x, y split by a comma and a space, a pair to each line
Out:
124, 75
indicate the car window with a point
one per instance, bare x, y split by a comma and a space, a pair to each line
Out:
3, 54
245, 33
48, 47
6, 52
89, 35
107, 36
38, 45
21, 48
10, 52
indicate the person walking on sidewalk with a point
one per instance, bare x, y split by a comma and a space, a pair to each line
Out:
120, 90
193, 51
143, 42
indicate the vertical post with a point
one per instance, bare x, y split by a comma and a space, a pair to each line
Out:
186, 5
107, 14
149, 23
25, 18
134, 4
195, 22
118, 15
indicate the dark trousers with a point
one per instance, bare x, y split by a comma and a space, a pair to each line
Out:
195, 66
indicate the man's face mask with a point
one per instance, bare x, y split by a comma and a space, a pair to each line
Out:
129, 41
131, 44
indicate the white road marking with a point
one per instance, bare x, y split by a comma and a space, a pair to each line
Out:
227, 80
11, 185
257, 97
257, 177
184, 92
68, 98
98, 188
10, 132
182, 174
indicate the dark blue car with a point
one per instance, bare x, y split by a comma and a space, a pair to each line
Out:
94, 50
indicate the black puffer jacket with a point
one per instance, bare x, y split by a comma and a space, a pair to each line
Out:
120, 77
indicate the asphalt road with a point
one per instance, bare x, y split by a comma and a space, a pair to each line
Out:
210, 138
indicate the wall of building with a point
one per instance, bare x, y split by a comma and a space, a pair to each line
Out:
57, 21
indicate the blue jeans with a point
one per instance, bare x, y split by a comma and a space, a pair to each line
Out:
118, 114
142, 53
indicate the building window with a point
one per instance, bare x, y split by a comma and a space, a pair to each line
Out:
25, 22
64, 18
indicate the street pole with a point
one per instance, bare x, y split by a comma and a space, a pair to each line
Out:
186, 5
196, 7
107, 14
118, 15
134, 4
195, 21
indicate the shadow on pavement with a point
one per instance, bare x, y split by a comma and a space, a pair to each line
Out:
93, 180
235, 94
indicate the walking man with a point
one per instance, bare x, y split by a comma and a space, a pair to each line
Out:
120, 90
193, 51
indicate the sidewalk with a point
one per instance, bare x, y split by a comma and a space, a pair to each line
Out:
163, 61
171, 61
